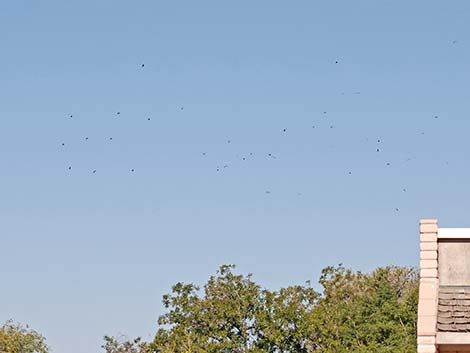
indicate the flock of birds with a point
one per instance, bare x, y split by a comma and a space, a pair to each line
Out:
220, 168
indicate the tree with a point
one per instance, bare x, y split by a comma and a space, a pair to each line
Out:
122, 345
15, 338
355, 312
222, 320
366, 313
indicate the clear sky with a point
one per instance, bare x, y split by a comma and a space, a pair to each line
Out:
85, 254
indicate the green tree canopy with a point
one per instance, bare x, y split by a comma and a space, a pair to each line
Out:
15, 338
351, 312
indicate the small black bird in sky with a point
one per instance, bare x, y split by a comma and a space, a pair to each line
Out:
267, 192
71, 115
70, 168
132, 170
182, 108
142, 65
228, 141
388, 163
436, 117
284, 130
86, 138
118, 113
110, 138
397, 209
94, 171
203, 153
378, 149
148, 119
63, 144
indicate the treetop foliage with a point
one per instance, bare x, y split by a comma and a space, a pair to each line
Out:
15, 338
354, 312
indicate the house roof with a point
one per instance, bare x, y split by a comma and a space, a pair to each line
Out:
453, 314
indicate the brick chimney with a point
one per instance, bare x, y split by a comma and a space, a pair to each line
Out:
428, 286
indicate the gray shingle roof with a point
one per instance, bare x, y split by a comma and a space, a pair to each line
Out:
453, 314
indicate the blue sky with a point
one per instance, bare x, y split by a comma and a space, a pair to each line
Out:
85, 254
